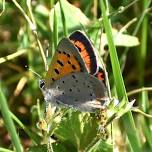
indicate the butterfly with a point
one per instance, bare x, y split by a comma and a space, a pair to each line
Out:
74, 78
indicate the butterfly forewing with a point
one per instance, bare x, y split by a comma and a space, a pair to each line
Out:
66, 60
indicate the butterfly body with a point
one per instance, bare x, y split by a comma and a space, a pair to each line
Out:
70, 80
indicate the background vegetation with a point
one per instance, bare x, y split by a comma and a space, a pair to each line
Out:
119, 30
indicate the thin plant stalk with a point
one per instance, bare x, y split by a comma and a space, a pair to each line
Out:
143, 98
51, 3
135, 91
139, 23
65, 31
27, 131
3, 7
5, 150
33, 28
12, 56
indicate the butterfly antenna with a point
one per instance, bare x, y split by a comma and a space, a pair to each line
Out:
33, 72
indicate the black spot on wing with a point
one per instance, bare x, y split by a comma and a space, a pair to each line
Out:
60, 63
73, 67
56, 71
68, 55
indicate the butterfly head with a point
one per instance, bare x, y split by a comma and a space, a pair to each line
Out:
44, 89
42, 84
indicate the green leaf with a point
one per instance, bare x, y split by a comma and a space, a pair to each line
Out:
40, 148
101, 146
74, 16
77, 130
121, 39
59, 147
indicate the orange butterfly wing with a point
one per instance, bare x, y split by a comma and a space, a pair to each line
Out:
86, 50
66, 60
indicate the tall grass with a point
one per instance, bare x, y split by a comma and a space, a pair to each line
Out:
9, 122
120, 87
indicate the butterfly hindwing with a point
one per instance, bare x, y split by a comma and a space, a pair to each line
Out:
66, 59
79, 90
100, 75
86, 50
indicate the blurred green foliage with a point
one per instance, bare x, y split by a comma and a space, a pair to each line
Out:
72, 130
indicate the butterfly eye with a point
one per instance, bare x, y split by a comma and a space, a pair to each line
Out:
41, 84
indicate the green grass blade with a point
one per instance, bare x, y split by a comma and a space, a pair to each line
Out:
34, 138
9, 122
140, 20
143, 50
143, 98
5, 150
3, 7
113, 56
120, 87
55, 30
51, 3
144, 121
65, 30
